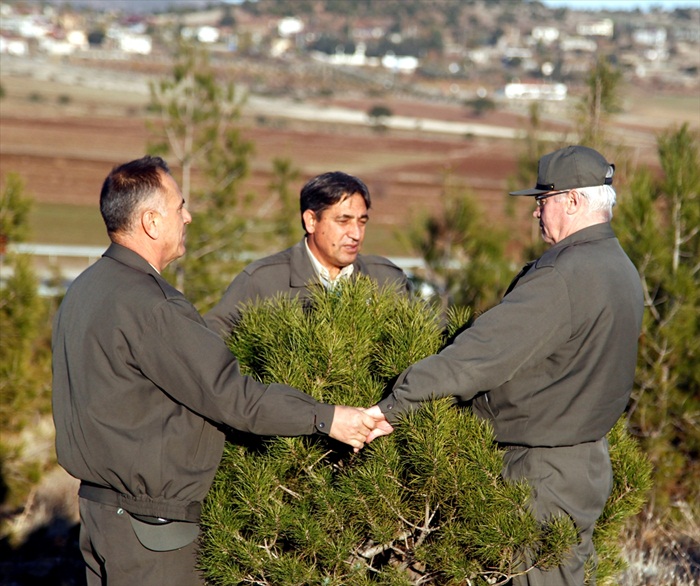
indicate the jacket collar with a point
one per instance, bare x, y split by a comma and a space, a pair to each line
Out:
602, 231
595, 232
302, 270
130, 258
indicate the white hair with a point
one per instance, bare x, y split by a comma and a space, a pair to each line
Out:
601, 198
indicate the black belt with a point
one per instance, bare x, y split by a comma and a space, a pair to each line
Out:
98, 494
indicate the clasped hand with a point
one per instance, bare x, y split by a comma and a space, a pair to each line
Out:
356, 427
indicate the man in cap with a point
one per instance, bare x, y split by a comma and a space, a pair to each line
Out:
334, 213
552, 365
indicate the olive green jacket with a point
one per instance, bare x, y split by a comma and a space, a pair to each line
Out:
141, 387
553, 364
289, 272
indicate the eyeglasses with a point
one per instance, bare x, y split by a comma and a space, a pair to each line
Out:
540, 199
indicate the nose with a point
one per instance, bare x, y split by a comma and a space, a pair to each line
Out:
355, 230
536, 213
186, 216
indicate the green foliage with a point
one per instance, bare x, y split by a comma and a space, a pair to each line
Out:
379, 111
602, 98
480, 106
22, 312
14, 211
378, 115
632, 471
25, 361
533, 149
426, 504
659, 226
196, 124
287, 218
464, 260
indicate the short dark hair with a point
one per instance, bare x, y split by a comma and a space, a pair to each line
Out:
328, 189
126, 187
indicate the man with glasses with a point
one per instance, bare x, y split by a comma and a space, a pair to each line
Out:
552, 366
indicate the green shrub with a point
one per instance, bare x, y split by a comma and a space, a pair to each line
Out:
426, 503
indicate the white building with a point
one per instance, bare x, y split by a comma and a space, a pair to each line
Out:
536, 91
137, 44
600, 28
400, 63
650, 37
16, 47
578, 44
290, 26
545, 34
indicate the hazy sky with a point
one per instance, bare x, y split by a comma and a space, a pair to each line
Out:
623, 4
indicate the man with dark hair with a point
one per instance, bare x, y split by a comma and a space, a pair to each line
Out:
552, 366
142, 390
334, 212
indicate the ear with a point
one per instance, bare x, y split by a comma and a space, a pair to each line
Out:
309, 218
574, 201
150, 222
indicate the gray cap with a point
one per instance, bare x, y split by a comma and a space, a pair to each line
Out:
570, 168
159, 534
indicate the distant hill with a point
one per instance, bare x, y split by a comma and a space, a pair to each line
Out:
134, 5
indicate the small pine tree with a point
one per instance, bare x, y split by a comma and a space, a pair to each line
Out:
196, 123
25, 355
466, 262
287, 221
659, 226
426, 504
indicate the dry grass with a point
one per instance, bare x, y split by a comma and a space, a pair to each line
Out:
663, 553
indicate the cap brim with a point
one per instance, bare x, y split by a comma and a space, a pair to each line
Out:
528, 192
167, 537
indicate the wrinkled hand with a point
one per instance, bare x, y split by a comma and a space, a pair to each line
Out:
351, 426
382, 426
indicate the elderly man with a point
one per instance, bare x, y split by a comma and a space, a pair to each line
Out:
552, 365
142, 388
334, 213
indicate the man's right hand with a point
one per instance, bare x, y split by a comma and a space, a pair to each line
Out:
351, 426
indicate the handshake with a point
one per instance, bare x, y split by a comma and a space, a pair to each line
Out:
357, 427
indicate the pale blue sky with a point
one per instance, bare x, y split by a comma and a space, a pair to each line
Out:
623, 4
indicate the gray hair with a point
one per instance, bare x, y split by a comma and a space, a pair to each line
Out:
601, 198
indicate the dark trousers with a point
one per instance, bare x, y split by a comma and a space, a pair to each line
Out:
115, 557
574, 481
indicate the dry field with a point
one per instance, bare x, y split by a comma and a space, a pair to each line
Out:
63, 140
62, 136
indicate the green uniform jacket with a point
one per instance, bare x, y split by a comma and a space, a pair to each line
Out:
140, 385
553, 364
289, 272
